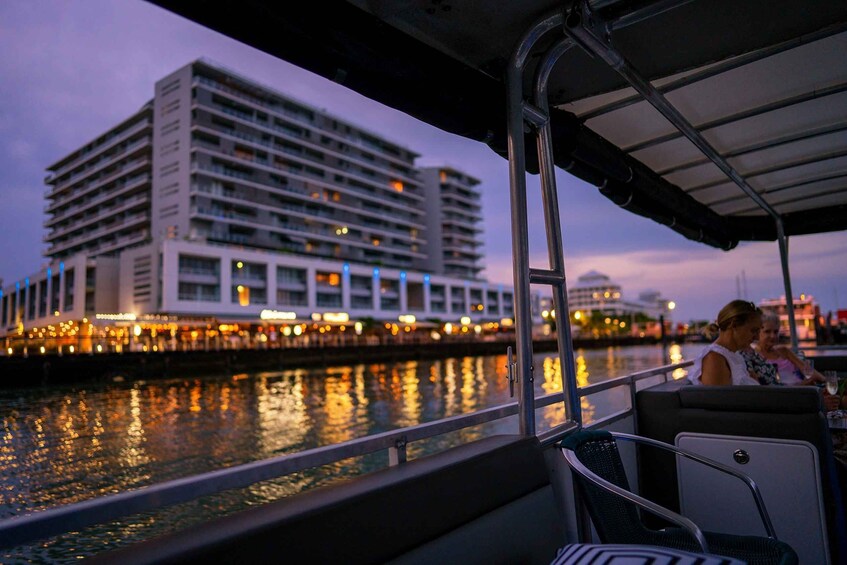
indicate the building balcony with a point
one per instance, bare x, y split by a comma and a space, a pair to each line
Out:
301, 121
102, 214
199, 278
119, 189
252, 282
125, 223
64, 185
144, 124
306, 177
79, 192
461, 195
387, 165
290, 285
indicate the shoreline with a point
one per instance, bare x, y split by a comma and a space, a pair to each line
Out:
47, 370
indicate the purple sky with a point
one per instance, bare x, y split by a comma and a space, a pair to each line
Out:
70, 70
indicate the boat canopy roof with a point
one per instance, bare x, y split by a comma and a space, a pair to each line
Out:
763, 82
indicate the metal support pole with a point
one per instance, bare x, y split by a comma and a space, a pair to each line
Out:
555, 250
520, 234
786, 281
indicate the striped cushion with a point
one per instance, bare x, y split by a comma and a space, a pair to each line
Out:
611, 554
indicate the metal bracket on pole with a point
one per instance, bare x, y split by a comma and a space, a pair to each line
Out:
397, 453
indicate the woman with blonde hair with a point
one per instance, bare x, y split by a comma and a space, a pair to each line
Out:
721, 363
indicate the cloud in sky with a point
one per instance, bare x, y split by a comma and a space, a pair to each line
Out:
71, 70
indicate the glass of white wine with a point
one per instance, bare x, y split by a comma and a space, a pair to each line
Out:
831, 378
808, 368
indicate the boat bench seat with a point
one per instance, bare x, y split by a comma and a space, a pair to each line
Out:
487, 501
781, 412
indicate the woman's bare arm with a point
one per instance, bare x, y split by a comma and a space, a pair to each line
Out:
715, 370
798, 363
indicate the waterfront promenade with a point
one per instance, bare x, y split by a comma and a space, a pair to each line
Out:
45, 370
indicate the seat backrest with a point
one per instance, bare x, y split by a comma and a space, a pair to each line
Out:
615, 519
791, 413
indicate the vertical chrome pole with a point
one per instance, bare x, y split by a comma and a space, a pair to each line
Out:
555, 251
786, 281
520, 234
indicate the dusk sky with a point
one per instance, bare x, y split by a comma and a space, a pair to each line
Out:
71, 70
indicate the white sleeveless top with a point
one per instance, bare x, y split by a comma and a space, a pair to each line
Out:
737, 366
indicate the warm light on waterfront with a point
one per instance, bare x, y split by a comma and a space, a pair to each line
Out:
76, 444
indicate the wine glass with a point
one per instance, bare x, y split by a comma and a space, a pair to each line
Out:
808, 368
831, 378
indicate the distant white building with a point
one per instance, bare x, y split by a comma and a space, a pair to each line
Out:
806, 313
596, 292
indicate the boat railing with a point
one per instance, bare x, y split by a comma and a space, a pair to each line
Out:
838, 349
20, 530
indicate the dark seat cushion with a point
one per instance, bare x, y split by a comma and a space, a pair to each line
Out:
782, 399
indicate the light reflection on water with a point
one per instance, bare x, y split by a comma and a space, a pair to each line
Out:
59, 446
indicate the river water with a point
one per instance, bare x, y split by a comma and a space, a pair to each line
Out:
64, 445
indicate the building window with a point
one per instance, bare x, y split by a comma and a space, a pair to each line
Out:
69, 289
389, 294
457, 299
197, 292
291, 298
55, 291
189, 264
90, 278
42, 299
249, 282
241, 294
328, 300
328, 278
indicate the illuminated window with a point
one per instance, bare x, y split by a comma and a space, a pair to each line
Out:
443, 175
331, 279
243, 295
397, 185
376, 241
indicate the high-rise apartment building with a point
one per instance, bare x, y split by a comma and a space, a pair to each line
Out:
453, 219
221, 197
240, 164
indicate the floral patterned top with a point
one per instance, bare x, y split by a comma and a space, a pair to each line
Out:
766, 371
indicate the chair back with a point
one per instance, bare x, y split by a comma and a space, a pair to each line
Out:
615, 519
